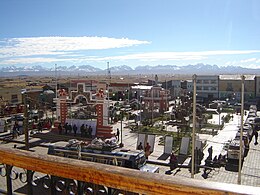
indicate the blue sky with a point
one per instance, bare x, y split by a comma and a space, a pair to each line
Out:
129, 32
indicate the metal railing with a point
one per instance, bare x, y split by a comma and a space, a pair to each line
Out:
44, 174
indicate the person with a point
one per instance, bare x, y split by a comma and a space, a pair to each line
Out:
140, 146
117, 134
70, 128
82, 130
60, 128
86, 131
75, 128
173, 161
66, 128
147, 150
40, 126
210, 150
15, 131
90, 131
255, 133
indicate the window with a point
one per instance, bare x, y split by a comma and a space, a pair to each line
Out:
206, 88
206, 81
14, 98
199, 88
229, 87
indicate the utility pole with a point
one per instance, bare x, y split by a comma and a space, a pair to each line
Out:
25, 121
27, 145
241, 130
193, 126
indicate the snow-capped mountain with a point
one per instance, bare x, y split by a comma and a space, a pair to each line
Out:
124, 69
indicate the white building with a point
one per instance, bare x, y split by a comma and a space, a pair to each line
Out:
207, 86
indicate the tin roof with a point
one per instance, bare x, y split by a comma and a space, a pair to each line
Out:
236, 77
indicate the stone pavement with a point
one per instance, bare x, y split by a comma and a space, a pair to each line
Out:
251, 167
250, 170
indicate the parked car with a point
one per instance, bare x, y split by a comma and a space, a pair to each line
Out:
250, 120
245, 138
249, 129
233, 150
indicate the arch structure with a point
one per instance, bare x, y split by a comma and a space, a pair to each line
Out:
80, 92
103, 129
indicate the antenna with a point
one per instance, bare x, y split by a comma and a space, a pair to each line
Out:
108, 84
56, 80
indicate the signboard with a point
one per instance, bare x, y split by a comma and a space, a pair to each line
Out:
168, 143
151, 141
185, 142
146, 138
2, 125
141, 138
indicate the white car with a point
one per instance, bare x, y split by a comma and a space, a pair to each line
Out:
233, 150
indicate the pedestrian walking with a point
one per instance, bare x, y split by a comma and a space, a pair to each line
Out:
255, 133
117, 134
147, 150
210, 151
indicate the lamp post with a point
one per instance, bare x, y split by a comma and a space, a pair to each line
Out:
193, 126
121, 129
219, 109
241, 130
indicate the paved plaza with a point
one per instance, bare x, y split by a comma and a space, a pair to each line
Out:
250, 169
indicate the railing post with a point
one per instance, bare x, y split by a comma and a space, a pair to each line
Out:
79, 187
29, 175
9, 180
52, 186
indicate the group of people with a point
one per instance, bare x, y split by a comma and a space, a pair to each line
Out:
85, 130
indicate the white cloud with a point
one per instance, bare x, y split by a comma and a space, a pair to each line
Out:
153, 56
17, 47
73, 49
254, 66
33, 60
248, 60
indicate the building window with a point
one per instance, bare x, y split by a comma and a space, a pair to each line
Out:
229, 87
206, 81
213, 81
206, 88
199, 88
14, 98
199, 81
213, 88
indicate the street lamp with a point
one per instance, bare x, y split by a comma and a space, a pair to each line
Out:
121, 143
219, 109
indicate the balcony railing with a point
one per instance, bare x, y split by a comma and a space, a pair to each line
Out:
58, 175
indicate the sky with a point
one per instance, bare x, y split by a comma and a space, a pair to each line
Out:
129, 32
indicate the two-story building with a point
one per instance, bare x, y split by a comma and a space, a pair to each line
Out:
207, 87
230, 87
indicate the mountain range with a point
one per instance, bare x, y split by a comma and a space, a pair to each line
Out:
84, 70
